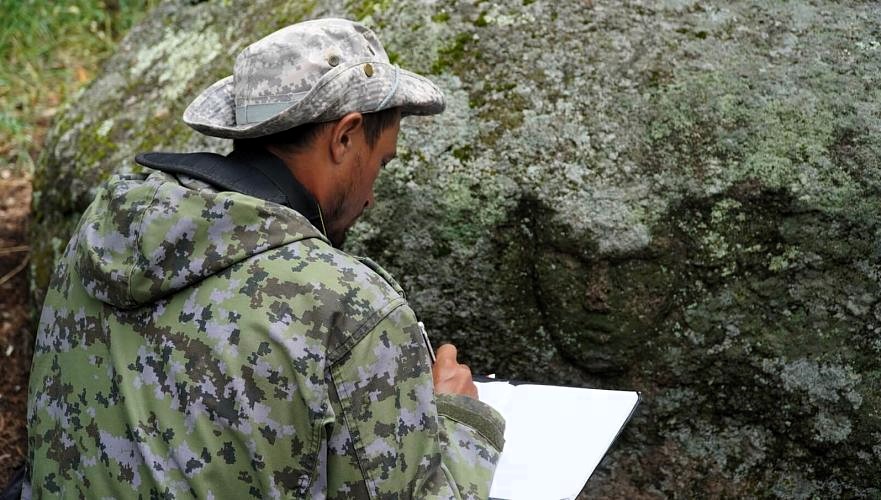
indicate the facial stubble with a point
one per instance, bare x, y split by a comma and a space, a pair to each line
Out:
337, 227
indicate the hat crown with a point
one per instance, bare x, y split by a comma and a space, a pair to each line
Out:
310, 72
284, 66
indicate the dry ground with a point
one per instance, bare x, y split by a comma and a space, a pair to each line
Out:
15, 337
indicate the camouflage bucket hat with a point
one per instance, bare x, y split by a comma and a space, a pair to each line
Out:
310, 72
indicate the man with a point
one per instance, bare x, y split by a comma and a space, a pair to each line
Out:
204, 335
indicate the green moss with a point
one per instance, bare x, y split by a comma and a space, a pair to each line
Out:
452, 54
97, 147
782, 138
481, 21
461, 226
48, 241
290, 13
42, 262
464, 153
366, 9
393, 57
162, 132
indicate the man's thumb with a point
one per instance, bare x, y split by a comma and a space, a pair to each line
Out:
447, 352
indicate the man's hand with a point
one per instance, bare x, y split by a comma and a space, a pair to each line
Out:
449, 376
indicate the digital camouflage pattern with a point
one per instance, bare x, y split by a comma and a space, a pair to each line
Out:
208, 344
310, 72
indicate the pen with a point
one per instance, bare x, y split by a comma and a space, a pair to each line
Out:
427, 341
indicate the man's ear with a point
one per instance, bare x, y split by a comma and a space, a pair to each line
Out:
343, 135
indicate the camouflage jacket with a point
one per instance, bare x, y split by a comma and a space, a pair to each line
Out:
196, 343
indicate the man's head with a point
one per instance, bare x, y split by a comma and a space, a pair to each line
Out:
355, 153
323, 96
337, 161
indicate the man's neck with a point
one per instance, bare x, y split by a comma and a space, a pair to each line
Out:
306, 168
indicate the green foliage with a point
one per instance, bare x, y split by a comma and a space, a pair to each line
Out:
49, 50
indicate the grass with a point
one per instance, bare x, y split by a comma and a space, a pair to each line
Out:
48, 50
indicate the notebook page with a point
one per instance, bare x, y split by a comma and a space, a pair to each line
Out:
496, 394
554, 439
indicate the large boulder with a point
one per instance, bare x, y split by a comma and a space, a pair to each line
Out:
677, 197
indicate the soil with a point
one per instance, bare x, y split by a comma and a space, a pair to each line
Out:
15, 326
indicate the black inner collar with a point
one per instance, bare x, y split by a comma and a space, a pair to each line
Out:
254, 172
273, 168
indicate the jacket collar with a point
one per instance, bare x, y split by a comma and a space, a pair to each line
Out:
253, 172
273, 168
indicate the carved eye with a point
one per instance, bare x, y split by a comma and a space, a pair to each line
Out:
333, 60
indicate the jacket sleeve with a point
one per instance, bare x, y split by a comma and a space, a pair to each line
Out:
409, 443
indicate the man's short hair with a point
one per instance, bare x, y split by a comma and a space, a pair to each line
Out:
299, 138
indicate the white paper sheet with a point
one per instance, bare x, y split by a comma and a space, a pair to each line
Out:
554, 436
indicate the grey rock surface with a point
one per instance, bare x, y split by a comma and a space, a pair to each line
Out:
678, 197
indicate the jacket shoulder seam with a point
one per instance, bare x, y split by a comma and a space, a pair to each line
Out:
366, 327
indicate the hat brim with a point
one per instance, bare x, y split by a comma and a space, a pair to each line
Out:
341, 91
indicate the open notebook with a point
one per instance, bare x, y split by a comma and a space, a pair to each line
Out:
554, 436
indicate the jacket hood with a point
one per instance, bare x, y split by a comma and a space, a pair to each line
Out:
145, 237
